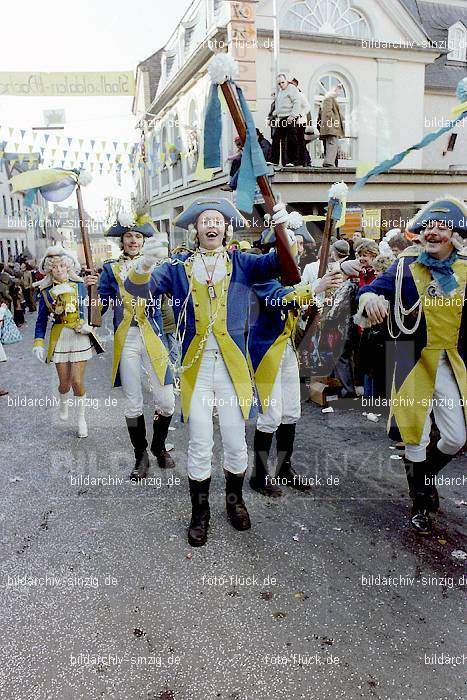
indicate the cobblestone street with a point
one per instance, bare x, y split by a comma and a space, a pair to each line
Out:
101, 595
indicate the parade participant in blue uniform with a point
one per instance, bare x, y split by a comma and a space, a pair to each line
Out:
274, 314
211, 290
423, 296
138, 346
63, 297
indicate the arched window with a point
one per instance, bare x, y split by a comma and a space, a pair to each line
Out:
322, 86
334, 17
192, 136
457, 42
326, 83
175, 148
164, 156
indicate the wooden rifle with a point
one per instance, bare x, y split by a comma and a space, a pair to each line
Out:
311, 315
94, 314
290, 274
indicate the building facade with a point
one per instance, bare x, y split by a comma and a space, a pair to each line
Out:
21, 227
64, 228
398, 63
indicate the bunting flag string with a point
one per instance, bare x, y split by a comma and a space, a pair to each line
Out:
102, 155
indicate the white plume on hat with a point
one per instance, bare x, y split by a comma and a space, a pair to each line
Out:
84, 178
222, 67
295, 220
338, 190
384, 247
125, 219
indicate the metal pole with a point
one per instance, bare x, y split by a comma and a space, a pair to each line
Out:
276, 39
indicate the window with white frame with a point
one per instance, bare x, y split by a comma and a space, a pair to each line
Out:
163, 147
325, 84
192, 136
334, 17
169, 64
188, 38
216, 7
457, 43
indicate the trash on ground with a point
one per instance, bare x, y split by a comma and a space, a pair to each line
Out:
459, 554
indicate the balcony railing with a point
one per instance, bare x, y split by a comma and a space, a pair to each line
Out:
348, 149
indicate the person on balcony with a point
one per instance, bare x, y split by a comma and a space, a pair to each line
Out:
285, 117
305, 121
331, 127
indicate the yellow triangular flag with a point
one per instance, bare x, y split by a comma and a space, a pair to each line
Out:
313, 217
202, 173
364, 167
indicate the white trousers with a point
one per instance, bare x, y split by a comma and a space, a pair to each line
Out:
448, 414
136, 368
214, 388
284, 402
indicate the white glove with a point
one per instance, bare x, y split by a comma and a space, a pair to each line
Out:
281, 215
154, 249
85, 329
291, 236
351, 268
39, 353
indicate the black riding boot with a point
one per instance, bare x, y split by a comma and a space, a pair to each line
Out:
259, 480
285, 436
436, 460
200, 513
418, 492
236, 508
161, 428
137, 432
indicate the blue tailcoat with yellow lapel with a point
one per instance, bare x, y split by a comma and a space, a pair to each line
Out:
47, 305
193, 307
273, 319
443, 327
147, 314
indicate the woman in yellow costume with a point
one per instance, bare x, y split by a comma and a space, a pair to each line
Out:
63, 297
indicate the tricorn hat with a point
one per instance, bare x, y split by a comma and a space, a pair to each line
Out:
140, 223
230, 213
450, 210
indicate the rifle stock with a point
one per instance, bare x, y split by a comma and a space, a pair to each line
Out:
94, 314
290, 273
